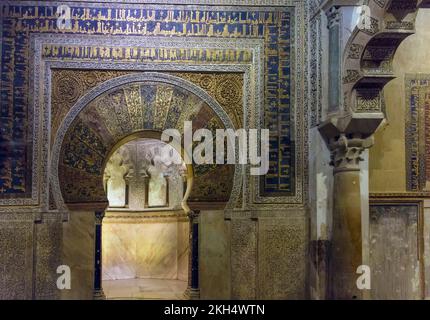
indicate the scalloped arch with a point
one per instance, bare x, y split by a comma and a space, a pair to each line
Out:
369, 53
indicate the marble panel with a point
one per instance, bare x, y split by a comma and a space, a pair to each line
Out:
156, 255
78, 254
394, 251
214, 255
136, 247
118, 251
183, 247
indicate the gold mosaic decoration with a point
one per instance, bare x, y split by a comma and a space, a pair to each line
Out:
69, 85
120, 112
226, 88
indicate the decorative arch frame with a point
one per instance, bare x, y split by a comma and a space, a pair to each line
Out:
367, 67
124, 80
369, 53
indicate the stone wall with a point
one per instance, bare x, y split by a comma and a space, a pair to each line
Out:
214, 253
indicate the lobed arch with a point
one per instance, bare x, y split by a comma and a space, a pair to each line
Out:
152, 134
120, 110
368, 57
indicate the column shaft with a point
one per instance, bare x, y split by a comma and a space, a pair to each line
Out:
193, 290
333, 16
98, 289
346, 249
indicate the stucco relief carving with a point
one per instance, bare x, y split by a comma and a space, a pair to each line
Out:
392, 22
281, 258
16, 238
244, 257
49, 237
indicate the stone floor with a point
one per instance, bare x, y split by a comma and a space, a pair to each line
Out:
151, 289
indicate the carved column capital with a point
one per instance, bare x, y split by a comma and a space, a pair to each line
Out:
184, 176
99, 217
98, 293
333, 17
346, 152
193, 216
129, 176
143, 174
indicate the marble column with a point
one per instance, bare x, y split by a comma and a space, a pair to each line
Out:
333, 19
346, 244
146, 186
127, 178
98, 289
193, 290
168, 179
184, 180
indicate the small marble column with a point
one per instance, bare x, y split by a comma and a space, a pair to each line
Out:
193, 290
128, 178
184, 177
146, 184
98, 289
168, 178
346, 245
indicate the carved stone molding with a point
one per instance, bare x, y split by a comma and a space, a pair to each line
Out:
368, 100
399, 195
361, 125
355, 51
